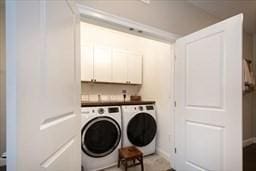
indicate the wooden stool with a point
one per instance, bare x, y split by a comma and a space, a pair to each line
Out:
127, 154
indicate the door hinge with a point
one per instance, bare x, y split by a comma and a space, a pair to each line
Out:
175, 150
175, 104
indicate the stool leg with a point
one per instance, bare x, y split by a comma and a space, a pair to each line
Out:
141, 162
118, 161
126, 165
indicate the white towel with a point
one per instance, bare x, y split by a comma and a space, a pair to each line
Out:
252, 79
249, 79
247, 74
3, 155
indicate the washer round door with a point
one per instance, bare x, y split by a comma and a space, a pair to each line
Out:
141, 129
100, 136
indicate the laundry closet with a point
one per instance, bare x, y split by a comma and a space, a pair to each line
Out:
125, 70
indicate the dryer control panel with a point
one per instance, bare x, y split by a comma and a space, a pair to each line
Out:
100, 110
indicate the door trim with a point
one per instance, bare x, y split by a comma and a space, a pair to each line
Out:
96, 14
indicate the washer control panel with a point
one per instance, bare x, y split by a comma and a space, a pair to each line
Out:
140, 108
101, 111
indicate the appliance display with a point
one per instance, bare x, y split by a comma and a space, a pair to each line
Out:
100, 136
139, 127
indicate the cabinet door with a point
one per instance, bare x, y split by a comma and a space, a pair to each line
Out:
83, 36
86, 63
119, 66
102, 64
134, 68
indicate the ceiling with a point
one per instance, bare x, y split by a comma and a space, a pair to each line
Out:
226, 8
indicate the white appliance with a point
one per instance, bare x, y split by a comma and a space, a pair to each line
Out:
139, 127
101, 137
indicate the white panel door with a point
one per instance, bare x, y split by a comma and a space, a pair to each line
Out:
102, 63
119, 66
43, 86
134, 68
86, 63
208, 93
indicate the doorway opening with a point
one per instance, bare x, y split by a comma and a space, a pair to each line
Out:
151, 68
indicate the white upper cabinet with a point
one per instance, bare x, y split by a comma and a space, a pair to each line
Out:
134, 68
86, 63
102, 64
109, 56
83, 35
119, 66
126, 67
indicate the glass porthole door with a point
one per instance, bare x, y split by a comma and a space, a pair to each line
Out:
100, 136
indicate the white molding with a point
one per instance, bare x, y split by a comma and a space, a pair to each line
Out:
163, 153
249, 141
110, 18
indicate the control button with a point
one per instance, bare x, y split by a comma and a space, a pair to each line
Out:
140, 108
100, 110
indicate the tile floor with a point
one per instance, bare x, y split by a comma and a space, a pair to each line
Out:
249, 158
158, 163
151, 163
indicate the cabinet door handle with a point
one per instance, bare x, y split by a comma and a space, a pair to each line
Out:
94, 80
91, 80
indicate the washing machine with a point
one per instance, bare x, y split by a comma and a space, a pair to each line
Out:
100, 137
139, 127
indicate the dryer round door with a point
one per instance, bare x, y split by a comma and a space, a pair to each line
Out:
100, 136
141, 129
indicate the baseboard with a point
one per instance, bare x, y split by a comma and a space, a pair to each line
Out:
249, 141
2, 162
163, 154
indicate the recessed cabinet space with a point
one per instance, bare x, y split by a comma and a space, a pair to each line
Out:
109, 65
126, 67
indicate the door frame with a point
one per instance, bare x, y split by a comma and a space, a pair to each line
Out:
102, 16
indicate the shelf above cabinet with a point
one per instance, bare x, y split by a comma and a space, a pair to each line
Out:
101, 82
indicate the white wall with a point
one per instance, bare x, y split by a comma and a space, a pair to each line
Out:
158, 86
108, 89
177, 17
2, 82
